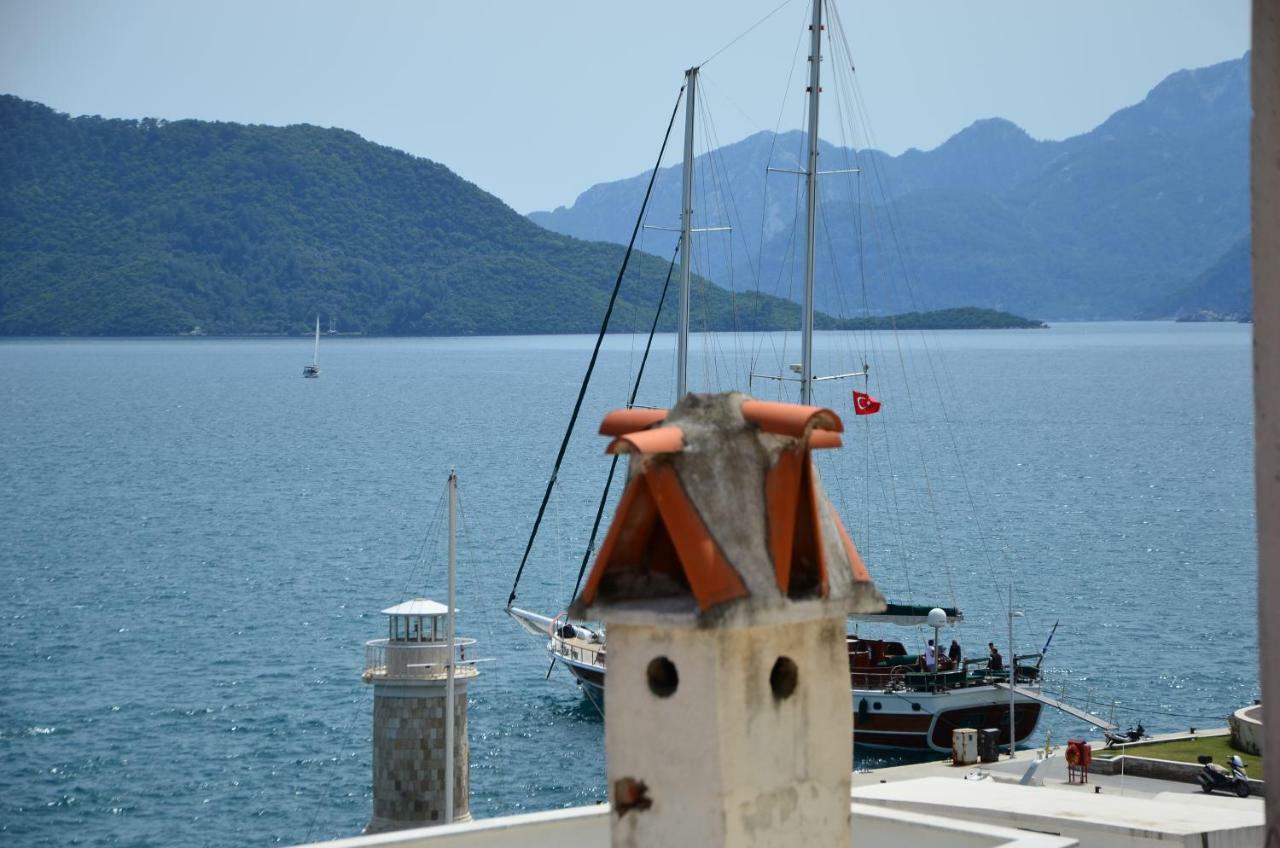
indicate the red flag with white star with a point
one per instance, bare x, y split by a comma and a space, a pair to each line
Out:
865, 404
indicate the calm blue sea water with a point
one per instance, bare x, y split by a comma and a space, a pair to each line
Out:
195, 543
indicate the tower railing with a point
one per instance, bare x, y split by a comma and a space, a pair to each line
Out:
414, 660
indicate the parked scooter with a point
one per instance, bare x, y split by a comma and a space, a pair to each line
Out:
1130, 736
1214, 776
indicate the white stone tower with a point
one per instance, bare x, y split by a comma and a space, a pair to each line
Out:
725, 582
409, 672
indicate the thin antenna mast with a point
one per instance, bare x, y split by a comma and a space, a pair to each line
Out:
811, 208
686, 236
448, 686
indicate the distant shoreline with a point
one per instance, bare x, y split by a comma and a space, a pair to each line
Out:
960, 318
301, 336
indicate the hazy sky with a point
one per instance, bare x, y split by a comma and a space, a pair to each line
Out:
537, 101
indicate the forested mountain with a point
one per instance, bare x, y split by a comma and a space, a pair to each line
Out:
118, 227
1223, 292
1108, 224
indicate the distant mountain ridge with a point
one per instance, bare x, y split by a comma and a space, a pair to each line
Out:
1106, 224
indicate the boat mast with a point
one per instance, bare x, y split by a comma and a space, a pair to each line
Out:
315, 354
811, 184
448, 686
686, 236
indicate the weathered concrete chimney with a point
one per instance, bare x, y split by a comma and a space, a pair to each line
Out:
725, 581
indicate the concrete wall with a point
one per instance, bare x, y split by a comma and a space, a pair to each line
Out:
588, 827
1160, 769
1265, 182
1246, 729
725, 759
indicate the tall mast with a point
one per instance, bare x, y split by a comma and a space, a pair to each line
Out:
315, 354
448, 686
686, 236
811, 184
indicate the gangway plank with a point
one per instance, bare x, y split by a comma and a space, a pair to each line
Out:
1059, 705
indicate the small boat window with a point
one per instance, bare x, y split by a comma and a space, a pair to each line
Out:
876, 705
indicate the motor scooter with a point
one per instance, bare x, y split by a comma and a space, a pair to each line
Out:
1133, 734
1214, 776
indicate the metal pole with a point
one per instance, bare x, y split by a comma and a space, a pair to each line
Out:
448, 686
686, 235
811, 209
1013, 674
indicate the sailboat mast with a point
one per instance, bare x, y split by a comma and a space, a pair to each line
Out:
448, 686
686, 236
811, 208
315, 354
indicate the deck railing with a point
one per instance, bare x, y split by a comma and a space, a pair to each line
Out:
973, 672
570, 651
385, 658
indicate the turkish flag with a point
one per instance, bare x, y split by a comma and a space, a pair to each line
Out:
865, 404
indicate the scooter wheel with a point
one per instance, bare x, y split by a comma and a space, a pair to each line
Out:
1205, 787
1242, 789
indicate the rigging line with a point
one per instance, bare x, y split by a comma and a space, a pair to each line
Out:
850, 179
747, 31
713, 350
1085, 704
595, 353
432, 535
722, 189
613, 465
911, 403
906, 276
764, 207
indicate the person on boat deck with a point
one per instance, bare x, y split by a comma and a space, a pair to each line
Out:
930, 657
996, 662
954, 653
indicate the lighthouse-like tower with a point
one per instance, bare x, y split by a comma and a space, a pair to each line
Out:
409, 671
725, 581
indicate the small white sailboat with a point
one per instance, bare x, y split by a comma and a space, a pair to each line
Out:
313, 370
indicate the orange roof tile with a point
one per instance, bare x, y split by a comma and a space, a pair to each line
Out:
623, 421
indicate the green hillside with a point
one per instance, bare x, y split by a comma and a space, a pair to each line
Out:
115, 227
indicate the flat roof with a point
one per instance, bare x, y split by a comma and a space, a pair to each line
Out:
419, 606
1042, 808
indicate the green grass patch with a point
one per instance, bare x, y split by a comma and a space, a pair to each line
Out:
1187, 750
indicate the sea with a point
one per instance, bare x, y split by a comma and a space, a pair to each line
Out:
196, 543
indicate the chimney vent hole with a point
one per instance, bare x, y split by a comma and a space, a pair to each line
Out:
783, 678
663, 678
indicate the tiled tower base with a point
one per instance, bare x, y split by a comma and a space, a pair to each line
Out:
408, 756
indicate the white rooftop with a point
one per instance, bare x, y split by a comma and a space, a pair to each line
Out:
419, 606
1108, 818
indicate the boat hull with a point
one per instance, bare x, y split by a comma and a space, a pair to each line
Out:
924, 721
591, 680
895, 720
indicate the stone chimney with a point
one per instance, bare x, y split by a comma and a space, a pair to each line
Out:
725, 581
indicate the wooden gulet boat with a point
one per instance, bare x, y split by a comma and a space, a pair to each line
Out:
899, 701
